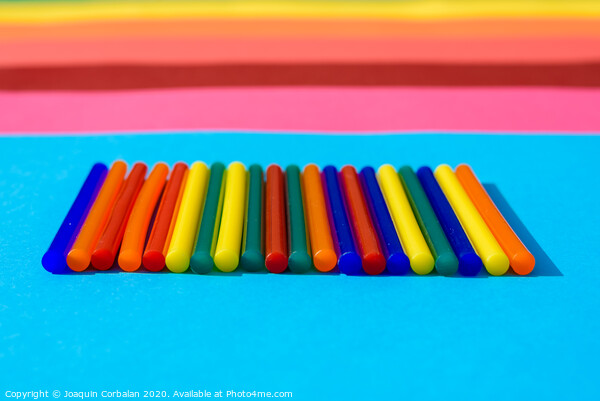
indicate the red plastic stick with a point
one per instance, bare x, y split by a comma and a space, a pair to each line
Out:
154, 255
104, 255
276, 259
365, 235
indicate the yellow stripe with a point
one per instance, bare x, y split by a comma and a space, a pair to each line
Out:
32, 12
188, 220
413, 242
227, 253
494, 259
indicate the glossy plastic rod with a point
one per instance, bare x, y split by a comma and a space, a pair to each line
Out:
202, 259
488, 249
349, 261
132, 247
469, 263
299, 260
373, 261
80, 255
253, 258
446, 263
396, 260
105, 253
321, 240
186, 225
421, 260
229, 242
276, 247
521, 260
158, 242
55, 258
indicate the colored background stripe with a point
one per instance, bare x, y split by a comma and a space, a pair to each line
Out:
164, 51
307, 28
142, 77
32, 12
304, 109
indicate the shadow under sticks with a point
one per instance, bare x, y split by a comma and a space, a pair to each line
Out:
543, 264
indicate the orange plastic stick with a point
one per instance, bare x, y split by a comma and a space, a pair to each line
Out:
321, 242
130, 256
160, 236
521, 260
80, 254
104, 255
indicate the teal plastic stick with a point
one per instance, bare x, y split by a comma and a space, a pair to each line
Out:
299, 260
253, 258
202, 259
446, 262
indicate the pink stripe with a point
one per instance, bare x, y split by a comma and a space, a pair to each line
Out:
304, 109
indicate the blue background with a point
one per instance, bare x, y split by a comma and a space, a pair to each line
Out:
321, 336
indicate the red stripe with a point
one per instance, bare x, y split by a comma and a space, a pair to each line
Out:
139, 77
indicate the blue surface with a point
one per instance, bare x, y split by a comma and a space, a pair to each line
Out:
321, 336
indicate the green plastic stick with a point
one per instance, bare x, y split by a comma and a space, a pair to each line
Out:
446, 262
299, 260
202, 260
252, 245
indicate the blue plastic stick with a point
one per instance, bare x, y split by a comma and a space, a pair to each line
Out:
55, 258
396, 260
349, 261
469, 263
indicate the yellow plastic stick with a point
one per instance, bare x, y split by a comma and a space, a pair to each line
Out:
68, 11
186, 228
413, 242
227, 253
488, 249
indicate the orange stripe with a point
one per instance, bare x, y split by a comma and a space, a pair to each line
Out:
166, 51
323, 28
